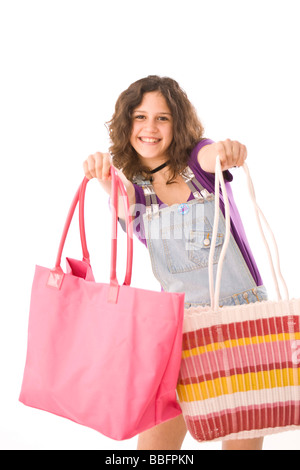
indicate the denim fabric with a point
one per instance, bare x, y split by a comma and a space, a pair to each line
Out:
179, 240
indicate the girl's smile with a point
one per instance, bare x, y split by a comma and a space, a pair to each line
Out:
149, 140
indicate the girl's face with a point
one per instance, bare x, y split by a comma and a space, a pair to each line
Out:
152, 129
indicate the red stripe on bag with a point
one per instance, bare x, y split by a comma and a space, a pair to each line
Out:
255, 417
247, 329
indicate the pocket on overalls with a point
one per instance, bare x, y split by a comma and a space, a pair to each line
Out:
191, 252
199, 245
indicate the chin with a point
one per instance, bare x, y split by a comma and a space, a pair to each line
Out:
150, 153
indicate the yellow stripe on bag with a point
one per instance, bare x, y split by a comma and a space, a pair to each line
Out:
238, 383
231, 343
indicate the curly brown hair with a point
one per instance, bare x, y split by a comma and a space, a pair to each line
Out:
187, 128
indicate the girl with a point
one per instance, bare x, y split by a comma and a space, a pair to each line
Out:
168, 171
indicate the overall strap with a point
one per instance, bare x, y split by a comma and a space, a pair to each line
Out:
189, 178
150, 196
196, 188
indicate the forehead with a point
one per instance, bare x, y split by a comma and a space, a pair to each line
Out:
153, 101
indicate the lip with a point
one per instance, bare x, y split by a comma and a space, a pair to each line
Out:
149, 143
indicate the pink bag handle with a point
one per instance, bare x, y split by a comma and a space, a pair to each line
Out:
56, 276
116, 183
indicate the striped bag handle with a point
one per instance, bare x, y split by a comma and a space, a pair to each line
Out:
215, 293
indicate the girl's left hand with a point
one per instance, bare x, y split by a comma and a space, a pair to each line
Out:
232, 153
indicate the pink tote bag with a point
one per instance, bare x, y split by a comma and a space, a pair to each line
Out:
106, 356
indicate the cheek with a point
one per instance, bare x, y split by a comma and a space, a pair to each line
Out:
133, 133
135, 130
169, 135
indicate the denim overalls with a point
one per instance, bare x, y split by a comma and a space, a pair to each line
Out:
178, 239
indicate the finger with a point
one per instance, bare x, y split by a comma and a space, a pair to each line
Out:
98, 162
236, 153
91, 165
106, 166
86, 170
222, 154
242, 155
228, 144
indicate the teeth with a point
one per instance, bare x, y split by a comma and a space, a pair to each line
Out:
151, 141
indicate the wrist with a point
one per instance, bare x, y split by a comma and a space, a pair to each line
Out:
207, 158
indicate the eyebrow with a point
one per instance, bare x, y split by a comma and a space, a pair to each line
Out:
140, 111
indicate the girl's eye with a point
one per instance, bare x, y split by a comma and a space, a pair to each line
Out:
140, 117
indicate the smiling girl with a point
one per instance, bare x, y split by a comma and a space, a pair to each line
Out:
167, 167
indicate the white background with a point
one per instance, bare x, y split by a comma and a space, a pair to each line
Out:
63, 65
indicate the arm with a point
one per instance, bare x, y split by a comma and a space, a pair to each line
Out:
231, 153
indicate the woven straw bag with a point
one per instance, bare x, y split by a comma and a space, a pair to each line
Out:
240, 370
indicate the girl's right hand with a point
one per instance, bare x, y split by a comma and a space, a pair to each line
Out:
98, 166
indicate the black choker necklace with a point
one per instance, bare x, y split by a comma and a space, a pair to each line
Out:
157, 169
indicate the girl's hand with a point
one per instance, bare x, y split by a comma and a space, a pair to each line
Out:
232, 153
98, 166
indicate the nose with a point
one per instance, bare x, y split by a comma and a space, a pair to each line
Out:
151, 125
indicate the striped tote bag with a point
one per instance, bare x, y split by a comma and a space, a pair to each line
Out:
240, 369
